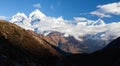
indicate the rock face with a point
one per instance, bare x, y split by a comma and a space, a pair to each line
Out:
67, 44
19, 47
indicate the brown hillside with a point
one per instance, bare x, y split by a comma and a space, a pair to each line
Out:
18, 37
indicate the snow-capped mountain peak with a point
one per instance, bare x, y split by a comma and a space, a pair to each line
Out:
19, 17
99, 22
95, 23
36, 14
22, 20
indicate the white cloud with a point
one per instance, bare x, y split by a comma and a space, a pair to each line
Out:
37, 5
107, 10
3, 17
99, 14
80, 18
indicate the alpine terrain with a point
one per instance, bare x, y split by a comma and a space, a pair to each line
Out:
77, 36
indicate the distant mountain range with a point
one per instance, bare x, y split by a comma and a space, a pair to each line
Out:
20, 47
78, 36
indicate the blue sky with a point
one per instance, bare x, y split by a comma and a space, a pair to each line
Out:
66, 8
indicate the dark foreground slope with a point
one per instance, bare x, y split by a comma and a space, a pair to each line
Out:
108, 56
19, 47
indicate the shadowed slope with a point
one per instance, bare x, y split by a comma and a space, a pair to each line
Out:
108, 56
17, 42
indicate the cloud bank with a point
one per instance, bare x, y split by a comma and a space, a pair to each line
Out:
107, 10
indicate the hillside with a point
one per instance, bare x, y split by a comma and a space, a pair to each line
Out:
18, 46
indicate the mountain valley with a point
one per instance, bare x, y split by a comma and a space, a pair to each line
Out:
20, 47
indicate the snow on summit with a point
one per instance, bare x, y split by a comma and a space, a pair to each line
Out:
39, 22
